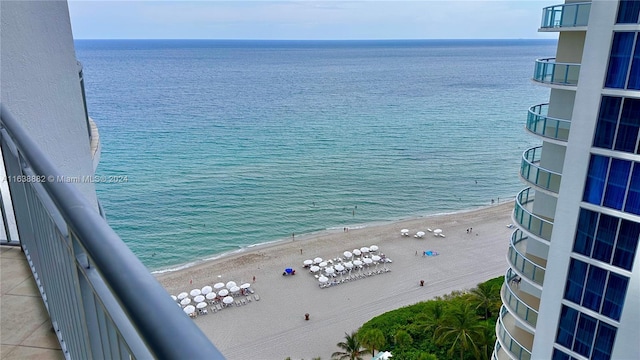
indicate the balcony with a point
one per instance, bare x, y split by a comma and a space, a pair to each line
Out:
565, 16
516, 342
530, 266
521, 304
499, 353
89, 281
540, 124
547, 71
533, 224
537, 176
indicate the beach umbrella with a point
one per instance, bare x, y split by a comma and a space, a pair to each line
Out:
230, 284
195, 292
348, 265
339, 267
174, 297
199, 298
245, 286
182, 295
329, 270
314, 268
234, 289
185, 301
373, 247
357, 263
201, 305
323, 264
317, 260
437, 231
364, 249
218, 286
207, 289
347, 254
189, 309
323, 279
357, 252
375, 258
288, 270
420, 234
367, 261
210, 296
227, 300
404, 232
223, 292
307, 262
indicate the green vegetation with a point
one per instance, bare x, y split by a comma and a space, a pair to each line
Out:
460, 325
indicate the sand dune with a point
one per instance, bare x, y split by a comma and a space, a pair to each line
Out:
274, 327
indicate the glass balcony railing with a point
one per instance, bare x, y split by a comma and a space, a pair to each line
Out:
505, 326
518, 260
516, 304
531, 171
530, 222
565, 15
539, 123
498, 353
547, 71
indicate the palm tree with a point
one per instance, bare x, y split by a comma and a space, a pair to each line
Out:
431, 319
402, 338
486, 297
352, 348
460, 327
373, 339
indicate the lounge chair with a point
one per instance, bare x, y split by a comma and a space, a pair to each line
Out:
248, 299
243, 301
255, 296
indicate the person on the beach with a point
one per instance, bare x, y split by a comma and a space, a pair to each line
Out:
254, 279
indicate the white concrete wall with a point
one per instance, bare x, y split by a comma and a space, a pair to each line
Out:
40, 83
570, 45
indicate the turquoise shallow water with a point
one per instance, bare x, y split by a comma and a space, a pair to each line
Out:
226, 144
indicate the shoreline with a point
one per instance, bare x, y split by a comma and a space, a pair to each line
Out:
249, 331
310, 236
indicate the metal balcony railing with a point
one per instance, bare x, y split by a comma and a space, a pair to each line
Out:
103, 303
520, 262
508, 342
540, 124
532, 223
533, 173
547, 71
565, 15
515, 303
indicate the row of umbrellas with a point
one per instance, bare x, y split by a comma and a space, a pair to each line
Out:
420, 234
208, 293
190, 309
347, 255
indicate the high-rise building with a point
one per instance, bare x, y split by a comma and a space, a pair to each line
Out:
572, 289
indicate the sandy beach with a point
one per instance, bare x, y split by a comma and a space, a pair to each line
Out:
274, 327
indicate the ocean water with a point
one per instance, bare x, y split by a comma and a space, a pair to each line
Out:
226, 144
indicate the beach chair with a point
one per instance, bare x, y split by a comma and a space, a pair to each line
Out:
248, 299
218, 307
243, 301
255, 296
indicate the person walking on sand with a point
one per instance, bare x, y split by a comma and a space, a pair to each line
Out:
254, 278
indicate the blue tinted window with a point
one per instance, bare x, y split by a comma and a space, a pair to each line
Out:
596, 179
594, 290
634, 75
567, 326
617, 183
632, 205
559, 355
604, 342
626, 245
605, 237
607, 122
619, 60
584, 335
575, 281
614, 296
586, 231
628, 11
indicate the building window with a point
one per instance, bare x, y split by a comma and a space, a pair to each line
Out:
617, 183
596, 289
618, 124
607, 238
628, 12
583, 334
559, 355
596, 178
613, 183
621, 61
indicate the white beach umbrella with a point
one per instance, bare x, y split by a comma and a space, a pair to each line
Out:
367, 261
223, 292
199, 298
437, 231
182, 295
347, 254
404, 232
207, 289
357, 263
357, 252
174, 297
210, 296
307, 262
245, 286
323, 279
201, 305
189, 309
339, 267
348, 265
364, 249
195, 292
420, 233
373, 247
329, 270
314, 268
218, 286
228, 300
375, 258
323, 264
230, 284
234, 289
317, 260
185, 301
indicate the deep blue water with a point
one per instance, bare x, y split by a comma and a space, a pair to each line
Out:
231, 143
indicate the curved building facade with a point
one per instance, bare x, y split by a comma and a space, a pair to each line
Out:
572, 289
